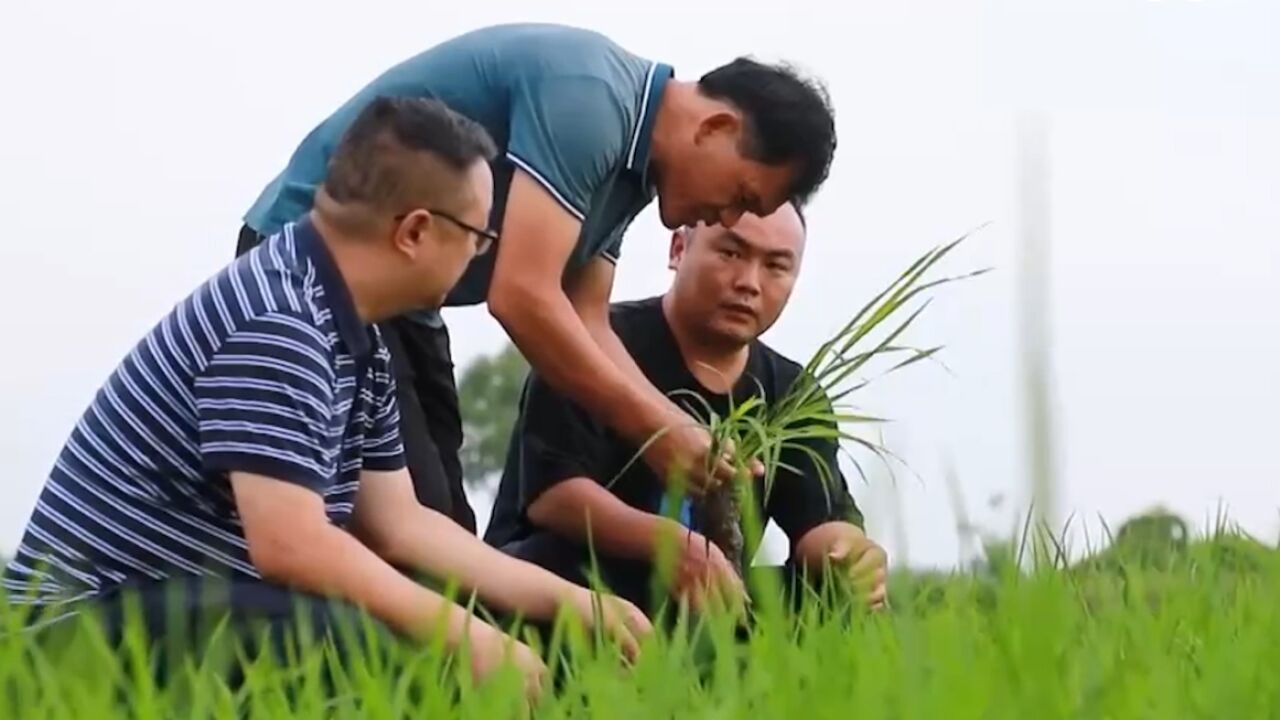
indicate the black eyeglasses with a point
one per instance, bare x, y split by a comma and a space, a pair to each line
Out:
484, 238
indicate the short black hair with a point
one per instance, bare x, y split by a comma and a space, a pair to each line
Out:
789, 118
372, 163
804, 221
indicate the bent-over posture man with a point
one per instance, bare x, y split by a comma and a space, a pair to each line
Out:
247, 448
588, 134
730, 286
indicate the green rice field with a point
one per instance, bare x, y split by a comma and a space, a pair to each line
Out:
1190, 632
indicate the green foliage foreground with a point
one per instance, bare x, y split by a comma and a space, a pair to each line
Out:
1195, 637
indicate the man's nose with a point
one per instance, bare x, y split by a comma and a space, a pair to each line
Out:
747, 278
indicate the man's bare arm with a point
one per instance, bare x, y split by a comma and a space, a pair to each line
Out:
292, 543
589, 291
581, 509
527, 297
390, 520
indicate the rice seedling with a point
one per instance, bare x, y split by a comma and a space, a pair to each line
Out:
1195, 637
818, 406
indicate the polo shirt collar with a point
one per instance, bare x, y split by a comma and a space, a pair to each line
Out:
642, 139
351, 330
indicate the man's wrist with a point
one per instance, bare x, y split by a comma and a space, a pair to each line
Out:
665, 532
565, 595
451, 621
478, 633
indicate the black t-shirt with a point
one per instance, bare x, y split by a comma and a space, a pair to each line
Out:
555, 440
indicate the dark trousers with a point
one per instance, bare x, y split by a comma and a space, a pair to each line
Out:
216, 623
427, 395
187, 607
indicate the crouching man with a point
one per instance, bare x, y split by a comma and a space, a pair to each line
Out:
247, 448
569, 480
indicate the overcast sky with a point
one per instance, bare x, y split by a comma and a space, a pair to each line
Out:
134, 135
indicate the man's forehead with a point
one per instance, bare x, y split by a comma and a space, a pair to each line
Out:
780, 231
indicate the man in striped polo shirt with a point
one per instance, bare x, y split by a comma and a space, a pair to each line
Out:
589, 134
249, 444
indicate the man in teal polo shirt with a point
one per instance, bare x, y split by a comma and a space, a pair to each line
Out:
589, 134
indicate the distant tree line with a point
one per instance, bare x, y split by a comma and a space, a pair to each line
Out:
489, 397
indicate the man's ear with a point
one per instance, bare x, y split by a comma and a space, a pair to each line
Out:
721, 122
412, 232
679, 241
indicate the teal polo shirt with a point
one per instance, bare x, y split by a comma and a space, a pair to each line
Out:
569, 106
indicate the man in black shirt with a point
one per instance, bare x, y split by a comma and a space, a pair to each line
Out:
568, 477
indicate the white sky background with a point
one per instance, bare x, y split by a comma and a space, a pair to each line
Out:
134, 134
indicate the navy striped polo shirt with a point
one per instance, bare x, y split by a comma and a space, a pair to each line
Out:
266, 368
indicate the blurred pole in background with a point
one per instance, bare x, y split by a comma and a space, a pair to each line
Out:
1034, 312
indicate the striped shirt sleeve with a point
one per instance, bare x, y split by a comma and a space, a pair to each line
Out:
383, 448
264, 403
